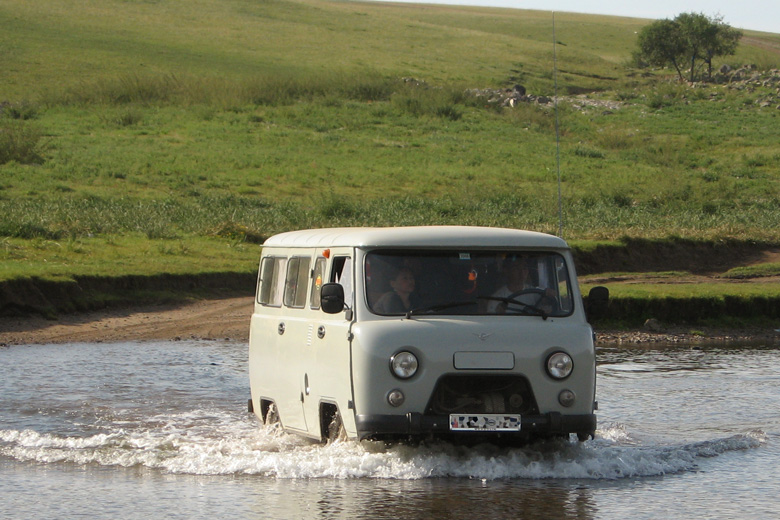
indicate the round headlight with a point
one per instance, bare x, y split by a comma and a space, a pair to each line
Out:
559, 365
404, 364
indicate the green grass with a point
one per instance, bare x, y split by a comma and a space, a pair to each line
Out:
722, 305
753, 271
206, 216
165, 126
61, 260
716, 291
652, 176
84, 42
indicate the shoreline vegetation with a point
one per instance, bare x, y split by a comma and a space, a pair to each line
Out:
149, 149
227, 319
676, 282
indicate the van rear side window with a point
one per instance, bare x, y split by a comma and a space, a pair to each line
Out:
271, 283
297, 282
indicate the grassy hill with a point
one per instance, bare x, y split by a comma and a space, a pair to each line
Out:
140, 137
53, 44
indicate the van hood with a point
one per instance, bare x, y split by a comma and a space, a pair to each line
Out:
483, 333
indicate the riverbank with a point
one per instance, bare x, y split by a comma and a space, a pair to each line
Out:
228, 319
224, 318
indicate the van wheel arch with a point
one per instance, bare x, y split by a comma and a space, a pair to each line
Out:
269, 412
331, 425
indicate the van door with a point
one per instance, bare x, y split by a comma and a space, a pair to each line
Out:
294, 329
265, 342
328, 376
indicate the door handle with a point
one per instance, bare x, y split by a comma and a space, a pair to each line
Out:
280, 329
321, 331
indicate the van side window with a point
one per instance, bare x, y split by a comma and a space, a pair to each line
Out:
342, 274
297, 282
319, 276
271, 281
564, 288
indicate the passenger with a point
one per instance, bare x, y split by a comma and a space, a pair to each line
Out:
402, 297
518, 279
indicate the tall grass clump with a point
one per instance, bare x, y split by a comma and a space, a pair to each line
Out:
23, 110
123, 89
20, 141
27, 230
279, 90
534, 117
123, 117
188, 90
421, 100
670, 94
366, 86
252, 217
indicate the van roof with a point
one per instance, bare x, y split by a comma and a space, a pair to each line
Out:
419, 236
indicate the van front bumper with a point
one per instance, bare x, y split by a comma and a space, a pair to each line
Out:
419, 425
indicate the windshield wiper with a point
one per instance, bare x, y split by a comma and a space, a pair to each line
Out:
439, 307
525, 309
535, 311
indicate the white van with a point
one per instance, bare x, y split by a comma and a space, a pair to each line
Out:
462, 333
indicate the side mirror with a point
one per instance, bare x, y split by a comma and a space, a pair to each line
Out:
598, 301
332, 298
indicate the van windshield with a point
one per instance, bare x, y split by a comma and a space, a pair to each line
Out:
478, 282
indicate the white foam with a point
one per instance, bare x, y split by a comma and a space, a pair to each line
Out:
218, 443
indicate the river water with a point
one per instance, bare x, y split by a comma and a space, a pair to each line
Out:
160, 430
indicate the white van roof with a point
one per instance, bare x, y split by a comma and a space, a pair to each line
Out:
419, 236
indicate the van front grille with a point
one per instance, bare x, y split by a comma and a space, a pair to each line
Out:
482, 394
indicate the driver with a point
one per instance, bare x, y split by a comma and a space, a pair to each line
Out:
518, 279
402, 298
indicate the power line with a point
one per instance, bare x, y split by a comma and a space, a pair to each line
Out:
557, 132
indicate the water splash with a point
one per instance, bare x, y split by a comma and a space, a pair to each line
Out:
219, 443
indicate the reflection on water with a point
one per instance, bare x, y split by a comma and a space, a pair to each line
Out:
140, 429
434, 498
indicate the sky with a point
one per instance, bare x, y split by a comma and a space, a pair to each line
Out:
757, 15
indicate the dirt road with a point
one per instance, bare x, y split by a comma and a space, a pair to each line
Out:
217, 319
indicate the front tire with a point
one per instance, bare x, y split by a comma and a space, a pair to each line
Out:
584, 436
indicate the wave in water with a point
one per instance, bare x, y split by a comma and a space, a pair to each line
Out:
219, 443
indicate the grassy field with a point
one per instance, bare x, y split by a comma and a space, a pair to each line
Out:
155, 136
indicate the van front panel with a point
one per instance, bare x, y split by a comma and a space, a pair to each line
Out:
510, 376
482, 325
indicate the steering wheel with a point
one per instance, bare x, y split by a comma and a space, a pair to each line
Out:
543, 300
532, 290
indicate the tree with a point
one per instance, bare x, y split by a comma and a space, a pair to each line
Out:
661, 44
690, 41
722, 42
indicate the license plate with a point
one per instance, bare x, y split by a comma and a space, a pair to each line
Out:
486, 422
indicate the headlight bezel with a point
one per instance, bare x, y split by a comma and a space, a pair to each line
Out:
404, 364
559, 365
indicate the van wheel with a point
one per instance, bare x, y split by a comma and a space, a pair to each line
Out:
336, 431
